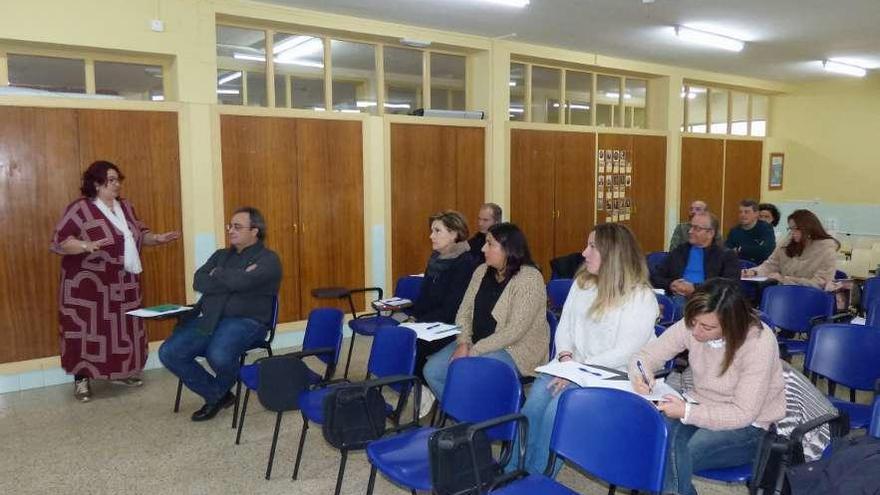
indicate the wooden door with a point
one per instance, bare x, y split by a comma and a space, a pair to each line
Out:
259, 169
433, 168
144, 145
702, 174
742, 177
649, 192
532, 191
575, 195
39, 176
330, 172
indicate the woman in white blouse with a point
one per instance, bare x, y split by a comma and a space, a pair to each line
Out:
608, 316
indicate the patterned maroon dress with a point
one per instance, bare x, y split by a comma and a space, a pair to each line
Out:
98, 339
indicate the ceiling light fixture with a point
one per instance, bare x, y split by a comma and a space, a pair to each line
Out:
709, 39
510, 3
231, 77
228, 92
512, 84
842, 68
415, 43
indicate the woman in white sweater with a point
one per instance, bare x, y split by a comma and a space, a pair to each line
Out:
609, 314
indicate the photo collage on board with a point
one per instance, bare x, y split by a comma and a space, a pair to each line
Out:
614, 185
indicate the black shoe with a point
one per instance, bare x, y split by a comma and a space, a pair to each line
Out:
208, 411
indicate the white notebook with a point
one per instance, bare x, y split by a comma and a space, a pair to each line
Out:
430, 331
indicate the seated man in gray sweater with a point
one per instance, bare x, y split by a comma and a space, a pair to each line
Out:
238, 285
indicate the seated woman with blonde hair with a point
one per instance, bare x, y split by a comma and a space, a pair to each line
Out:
608, 315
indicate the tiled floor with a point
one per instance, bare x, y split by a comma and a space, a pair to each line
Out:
130, 441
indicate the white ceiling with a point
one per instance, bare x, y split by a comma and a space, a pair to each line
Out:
785, 38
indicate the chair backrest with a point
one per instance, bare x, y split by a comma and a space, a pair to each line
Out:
668, 310
766, 319
557, 292
870, 292
282, 379
409, 287
271, 336
659, 329
873, 314
552, 322
324, 329
874, 429
746, 264
791, 307
481, 388
623, 442
393, 352
655, 259
846, 354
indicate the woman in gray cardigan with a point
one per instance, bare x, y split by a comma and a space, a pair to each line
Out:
503, 313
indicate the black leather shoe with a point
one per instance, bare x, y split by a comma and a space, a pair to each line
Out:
208, 411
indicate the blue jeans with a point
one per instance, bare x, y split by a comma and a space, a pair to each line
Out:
222, 349
693, 449
540, 409
438, 364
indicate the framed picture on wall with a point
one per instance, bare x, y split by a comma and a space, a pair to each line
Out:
777, 164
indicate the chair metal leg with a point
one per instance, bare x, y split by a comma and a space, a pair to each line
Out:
372, 480
852, 395
177, 400
274, 443
341, 471
247, 395
612, 489
302, 442
348, 360
237, 392
413, 491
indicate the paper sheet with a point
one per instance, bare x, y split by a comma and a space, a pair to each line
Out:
587, 376
431, 331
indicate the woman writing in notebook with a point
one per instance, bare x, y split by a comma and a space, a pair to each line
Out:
737, 392
608, 315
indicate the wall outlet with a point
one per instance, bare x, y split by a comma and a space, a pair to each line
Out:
157, 25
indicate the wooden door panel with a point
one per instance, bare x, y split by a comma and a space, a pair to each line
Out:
532, 163
329, 158
144, 145
649, 192
433, 168
702, 174
39, 176
575, 191
742, 177
259, 170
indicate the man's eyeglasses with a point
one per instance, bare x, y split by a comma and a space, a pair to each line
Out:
237, 226
704, 229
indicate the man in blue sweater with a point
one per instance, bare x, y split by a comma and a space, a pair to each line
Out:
752, 239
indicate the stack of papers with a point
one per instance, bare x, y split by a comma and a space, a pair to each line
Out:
859, 320
754, 279
587, 376
160, 310
392, 303
432, 331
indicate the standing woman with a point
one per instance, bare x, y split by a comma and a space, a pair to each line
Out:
503, 312
99, 238
808, 257
447, 276
738, 388
609, 314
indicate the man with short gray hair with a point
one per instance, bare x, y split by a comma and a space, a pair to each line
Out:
680, 234
489, 215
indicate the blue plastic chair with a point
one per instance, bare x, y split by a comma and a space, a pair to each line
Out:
874, 430
870, 292
552, 322
265, 345
733, 475
848, 355
393, 353
655, 259
323, 339
873, 315
623, 442
409, 287
749, 289
798, 309
477, 389
557, 292
669, 312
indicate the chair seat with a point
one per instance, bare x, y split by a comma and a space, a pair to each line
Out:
735, 474
532, 484
250, 376
795, 346
859, 414
404, 458
369, 325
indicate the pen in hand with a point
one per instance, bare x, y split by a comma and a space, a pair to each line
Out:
644, 375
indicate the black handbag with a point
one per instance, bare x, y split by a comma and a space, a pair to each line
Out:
354, 415
457, 453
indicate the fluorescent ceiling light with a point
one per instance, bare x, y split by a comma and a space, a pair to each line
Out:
709, 39
230, 77
292, 42
349, 110
228, 92
842, 68
365, 104
516, 110
302, 63
245, 56
397, 105
616, 96
157, 98
690, 95
319, 109
510, 3
575, 106
512, 84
